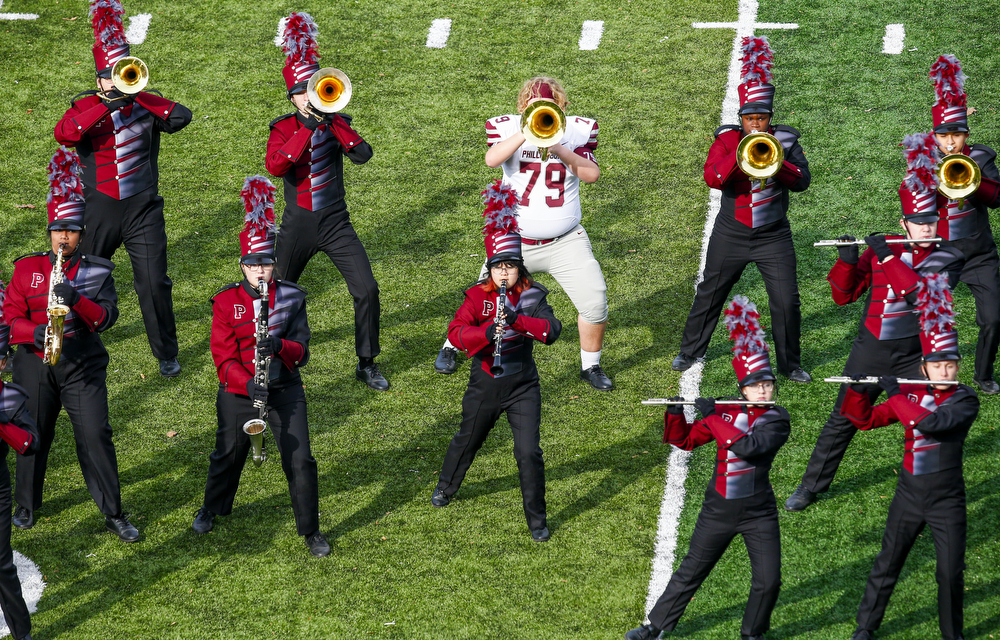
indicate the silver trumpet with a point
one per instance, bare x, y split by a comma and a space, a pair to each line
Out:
874, 380
860, 242
255, 426
57, 312
690, 403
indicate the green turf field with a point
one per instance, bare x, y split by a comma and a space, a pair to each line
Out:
399, 567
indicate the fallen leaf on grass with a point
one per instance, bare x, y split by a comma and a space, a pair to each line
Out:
574, 397
142, 375
71, 19
171, 434
30, 110
24, 206
969, 112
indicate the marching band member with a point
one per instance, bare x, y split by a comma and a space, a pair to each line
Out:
235, 310
77, 381
888, 335
118, 138
509, 382
307, 149
931, 488
739, 499
752, 225
549, 214
17, 431
965, 222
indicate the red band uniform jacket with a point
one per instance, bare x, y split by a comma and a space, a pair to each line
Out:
17, 427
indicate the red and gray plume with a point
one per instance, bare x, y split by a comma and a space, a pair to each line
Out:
64, 177
934, 304
299, 43
921, 153
106, 17
757, 60
743, 322
949, 81
501, 208
258, 201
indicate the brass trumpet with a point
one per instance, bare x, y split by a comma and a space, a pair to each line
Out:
759, 155
329, 90
57, 312
958, 175
130, 75
543, 125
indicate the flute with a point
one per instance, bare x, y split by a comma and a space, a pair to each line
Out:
686, 403
874, 380
858, 243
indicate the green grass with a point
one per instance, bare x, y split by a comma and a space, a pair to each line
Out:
471, 570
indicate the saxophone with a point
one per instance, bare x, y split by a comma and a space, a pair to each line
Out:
57, 314
255, 426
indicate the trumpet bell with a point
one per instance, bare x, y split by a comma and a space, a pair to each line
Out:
958, 176
329, 90
760, 155
543, 124
130, 75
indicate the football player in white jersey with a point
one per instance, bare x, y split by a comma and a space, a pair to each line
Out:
549, 214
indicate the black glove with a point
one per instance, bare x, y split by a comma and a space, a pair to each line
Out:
676, 409
890, 384
256, 392
510, 316
878, 245
115, 99
705, 406
310, 121
40, 336
67, 293
491, 332
269, 346
848, 254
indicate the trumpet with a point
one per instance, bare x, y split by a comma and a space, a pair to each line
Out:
759, 155
861, 242
497, 368
57, 312
543, 125
254, 427
958, 176
874, 380
329, 90
130, 75
686, 403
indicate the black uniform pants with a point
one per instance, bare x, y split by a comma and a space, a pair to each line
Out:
937, 501
137, 222
869, 356
80, 386
15, 612
485, 399
290, 432
981, 274
303, 234
720, 520
728, 255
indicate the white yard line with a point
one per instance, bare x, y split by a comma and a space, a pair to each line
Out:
590, 34
137, 28
17, 16
32, 584
673, 493
437, 35
892, 41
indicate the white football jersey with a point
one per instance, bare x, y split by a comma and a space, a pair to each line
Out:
549, 192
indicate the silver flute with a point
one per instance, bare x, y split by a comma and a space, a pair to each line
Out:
874, 380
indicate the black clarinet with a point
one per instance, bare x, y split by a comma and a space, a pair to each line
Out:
497, 368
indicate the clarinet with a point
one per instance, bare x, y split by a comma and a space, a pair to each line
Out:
497, 368
255, 426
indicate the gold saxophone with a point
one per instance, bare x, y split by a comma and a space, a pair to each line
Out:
57, 314
254, 427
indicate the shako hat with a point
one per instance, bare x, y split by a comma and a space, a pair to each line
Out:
755, 90
302, 54
949, 110
65, 199
110, 44
503, 242
258, 235
751, 361
938, 337
918, 192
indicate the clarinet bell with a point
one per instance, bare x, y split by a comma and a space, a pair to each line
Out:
255, 429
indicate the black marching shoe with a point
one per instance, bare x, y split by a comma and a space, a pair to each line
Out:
120, 526
170, 368
23, 518
372, 377
798, 374
439, 499
597, 378
682, 362
447, 361
800, 499
25, 637
540, 535
759, 636
989, 387
318, 546
862, 634
204, 520
645, 632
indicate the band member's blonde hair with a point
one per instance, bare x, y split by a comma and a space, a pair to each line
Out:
527, 93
